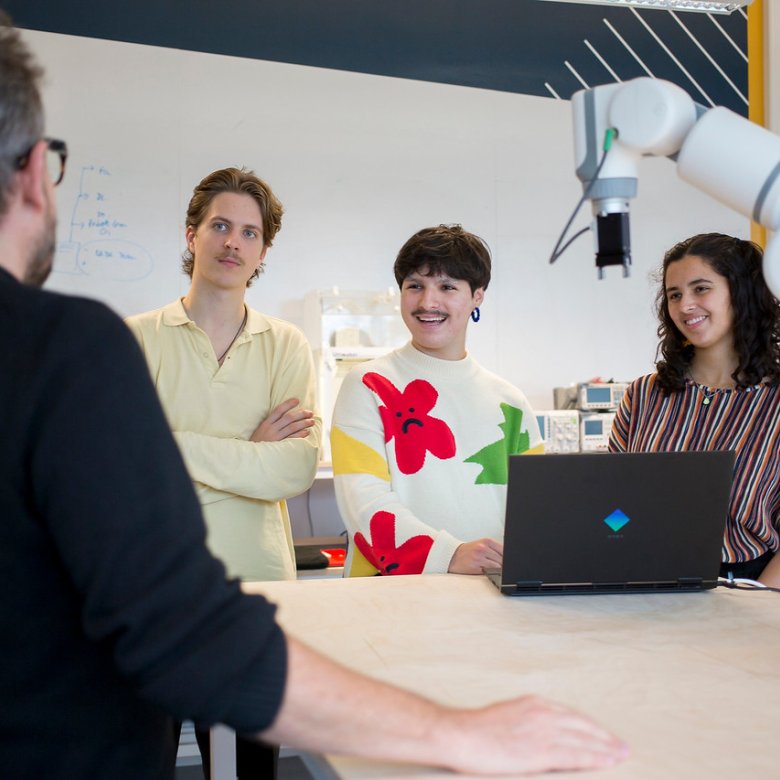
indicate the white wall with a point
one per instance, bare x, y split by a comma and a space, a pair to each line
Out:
772, 64
360, 162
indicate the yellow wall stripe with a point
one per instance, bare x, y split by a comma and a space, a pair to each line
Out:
756, 88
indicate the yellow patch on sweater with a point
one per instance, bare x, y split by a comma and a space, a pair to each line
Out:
351, 456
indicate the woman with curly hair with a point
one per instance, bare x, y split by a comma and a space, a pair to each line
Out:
717, 387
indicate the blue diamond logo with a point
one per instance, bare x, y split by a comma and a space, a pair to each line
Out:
616, 520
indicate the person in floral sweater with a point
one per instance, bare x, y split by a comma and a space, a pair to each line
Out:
421, 437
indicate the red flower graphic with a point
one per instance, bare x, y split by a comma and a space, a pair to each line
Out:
382, 553
405, 417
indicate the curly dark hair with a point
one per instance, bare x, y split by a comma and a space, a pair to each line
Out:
445, 249
756, 313
243, 182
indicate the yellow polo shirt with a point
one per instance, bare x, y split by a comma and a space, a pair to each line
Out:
213, 410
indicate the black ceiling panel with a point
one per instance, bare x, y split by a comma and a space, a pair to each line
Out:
511, 45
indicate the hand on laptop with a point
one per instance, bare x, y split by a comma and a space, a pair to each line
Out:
473, 557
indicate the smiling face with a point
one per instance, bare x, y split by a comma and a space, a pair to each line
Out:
227, 246
699, 303
436, 309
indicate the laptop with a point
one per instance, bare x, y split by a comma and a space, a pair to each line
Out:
614, 523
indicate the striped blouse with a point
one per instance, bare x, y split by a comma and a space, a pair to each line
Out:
747, 421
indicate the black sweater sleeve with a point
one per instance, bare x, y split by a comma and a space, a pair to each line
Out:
108, 487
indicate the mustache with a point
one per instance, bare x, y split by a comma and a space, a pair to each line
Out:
429, 312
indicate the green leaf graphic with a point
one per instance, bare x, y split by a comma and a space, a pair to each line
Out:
494, 458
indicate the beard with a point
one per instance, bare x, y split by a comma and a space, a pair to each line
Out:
41, 258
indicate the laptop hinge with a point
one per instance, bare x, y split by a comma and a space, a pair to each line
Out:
681, 583
690, 582
538, 586
528, 585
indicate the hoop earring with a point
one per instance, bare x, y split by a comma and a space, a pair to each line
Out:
475, 315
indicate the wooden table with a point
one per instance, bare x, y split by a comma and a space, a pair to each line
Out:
690, 681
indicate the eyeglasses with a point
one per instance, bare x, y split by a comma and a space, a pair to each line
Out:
56, 157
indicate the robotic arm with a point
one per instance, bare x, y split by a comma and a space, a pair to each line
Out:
717, 151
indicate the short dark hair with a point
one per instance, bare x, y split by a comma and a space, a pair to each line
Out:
445, 249
756, 312
238, 180
21, 109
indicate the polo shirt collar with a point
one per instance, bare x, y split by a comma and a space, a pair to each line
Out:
174, 315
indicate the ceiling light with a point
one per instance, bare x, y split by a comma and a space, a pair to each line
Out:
703, 6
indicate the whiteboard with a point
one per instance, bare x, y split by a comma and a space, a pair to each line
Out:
360, 163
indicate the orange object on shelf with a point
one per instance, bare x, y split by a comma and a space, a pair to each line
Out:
335, 556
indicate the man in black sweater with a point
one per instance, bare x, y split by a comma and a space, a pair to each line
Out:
114, 617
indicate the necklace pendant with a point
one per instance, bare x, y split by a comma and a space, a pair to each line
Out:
706, 400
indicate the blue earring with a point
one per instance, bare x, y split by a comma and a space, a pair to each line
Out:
475, 314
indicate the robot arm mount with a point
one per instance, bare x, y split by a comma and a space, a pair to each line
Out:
717, 151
